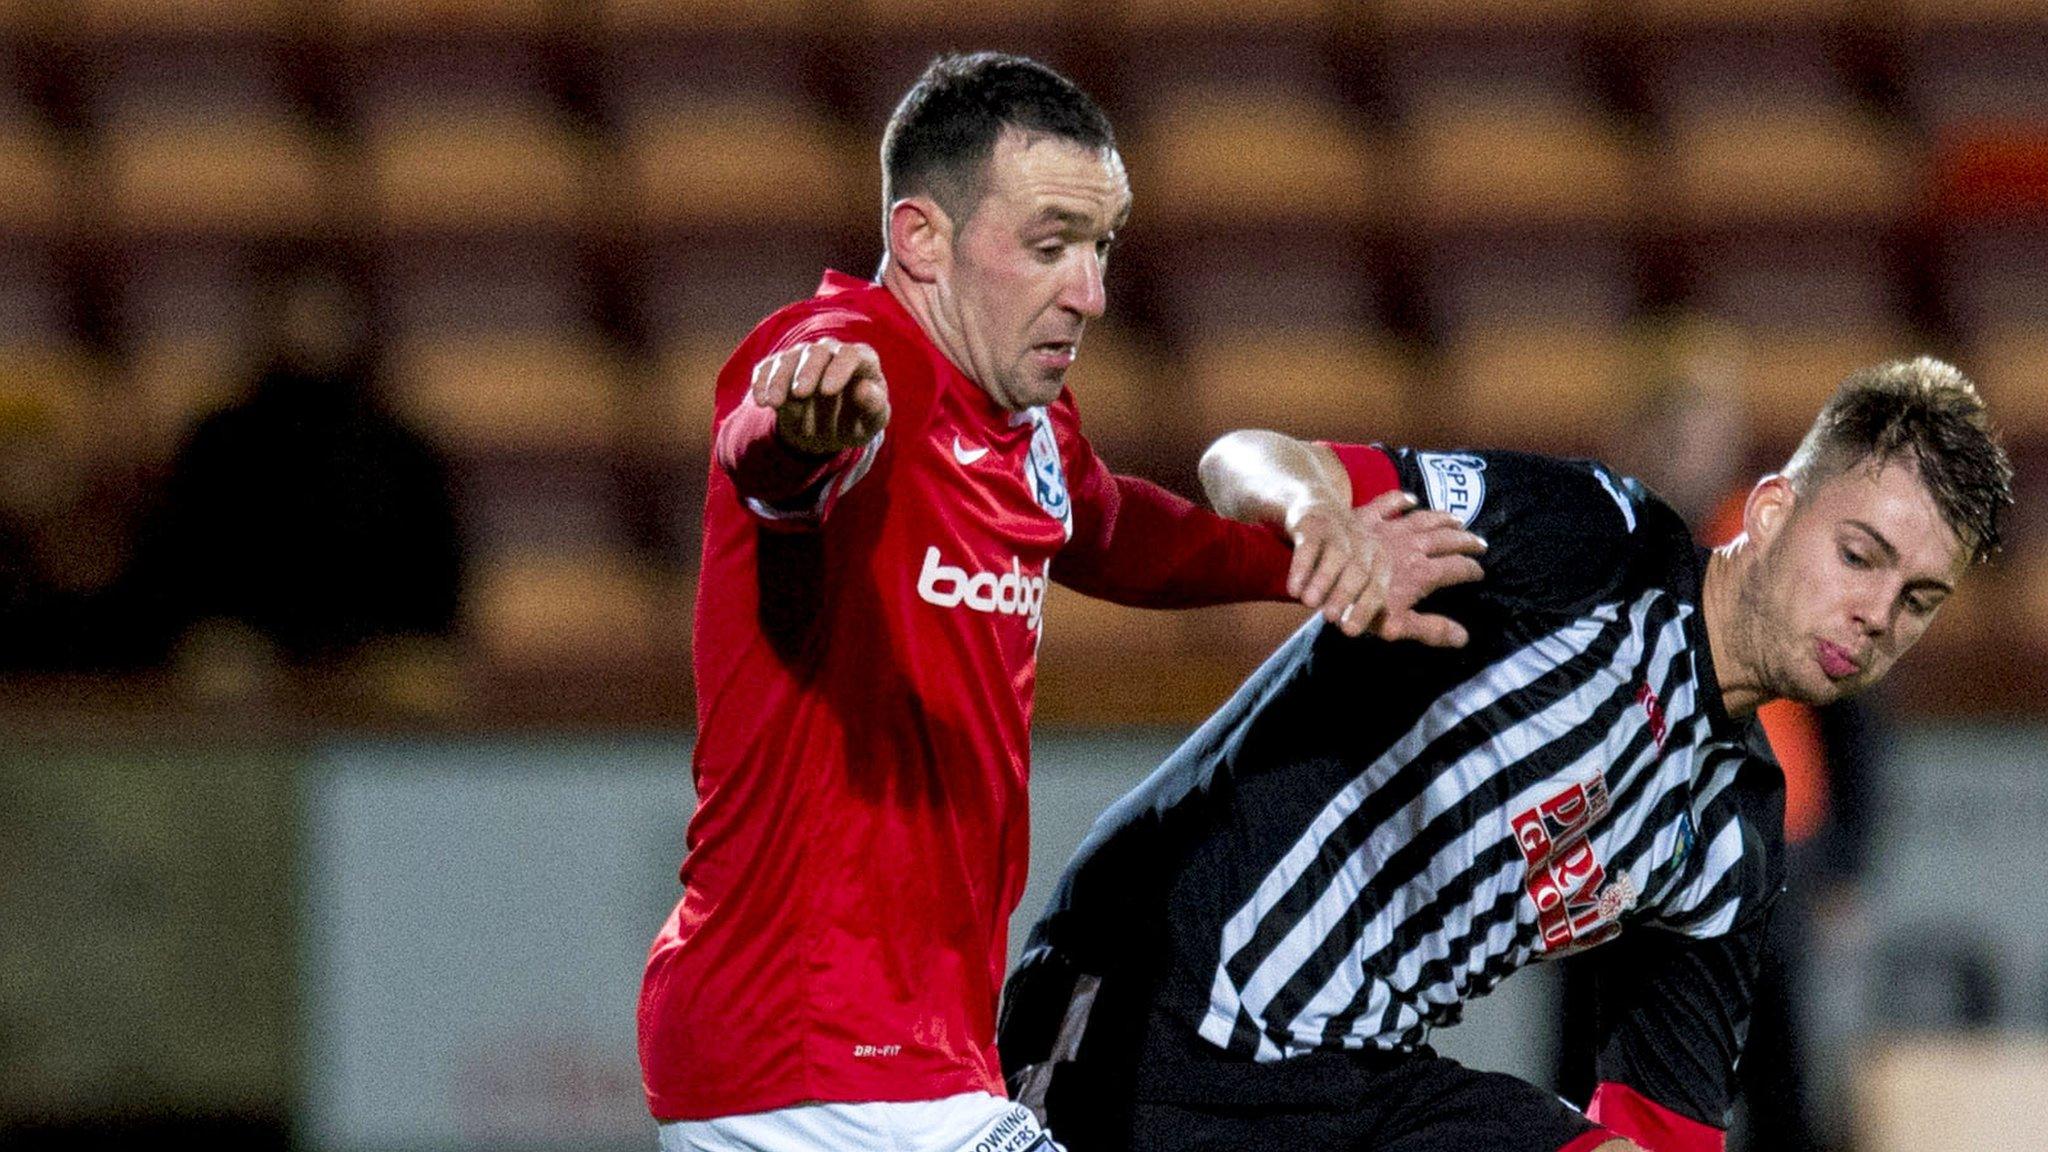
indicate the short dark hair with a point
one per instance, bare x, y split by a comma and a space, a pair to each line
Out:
1928, 412
944, 129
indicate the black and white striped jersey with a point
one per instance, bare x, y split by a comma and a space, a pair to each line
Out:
1367, 835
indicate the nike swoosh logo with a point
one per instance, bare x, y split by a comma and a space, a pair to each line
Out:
966, 455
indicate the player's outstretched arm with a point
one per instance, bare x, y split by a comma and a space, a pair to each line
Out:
1364, 569
827, 395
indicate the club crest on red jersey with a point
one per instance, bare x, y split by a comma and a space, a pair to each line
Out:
1043, 473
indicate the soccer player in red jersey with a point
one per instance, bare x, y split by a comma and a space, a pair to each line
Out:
898, 466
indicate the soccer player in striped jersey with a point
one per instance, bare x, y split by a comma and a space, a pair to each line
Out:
1250, 949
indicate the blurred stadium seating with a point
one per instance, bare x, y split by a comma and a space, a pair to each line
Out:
1429, 220
1433, 222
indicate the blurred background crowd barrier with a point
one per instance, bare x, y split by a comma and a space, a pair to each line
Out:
355, 379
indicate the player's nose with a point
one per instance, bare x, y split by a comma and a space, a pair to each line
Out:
1083, 292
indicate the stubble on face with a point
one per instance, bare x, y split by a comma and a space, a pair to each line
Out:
1802, 591
1765, 623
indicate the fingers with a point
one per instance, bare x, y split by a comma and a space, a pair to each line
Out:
819, 368
1424, 628
1451, 541
1401, 622
771, 379
1335, 564
1390, 504
1308, 551
829, 394
1420, 579
1356, 599
845, 364
822, 425
870, 405
1321, 548
1446, 571
1333, 559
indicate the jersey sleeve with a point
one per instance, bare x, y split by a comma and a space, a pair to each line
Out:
778, 484
1369, 467
1136, 543
1673, 1014
1561, 534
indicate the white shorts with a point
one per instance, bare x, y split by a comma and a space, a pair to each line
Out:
971, 1122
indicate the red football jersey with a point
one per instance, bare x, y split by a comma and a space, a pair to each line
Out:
865, 653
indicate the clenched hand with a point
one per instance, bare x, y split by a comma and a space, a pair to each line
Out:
828, 395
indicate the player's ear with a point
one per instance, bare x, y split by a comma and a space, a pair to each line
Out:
920, 237
1768, 508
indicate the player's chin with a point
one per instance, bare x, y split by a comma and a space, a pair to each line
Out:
1820, 690
1042, 386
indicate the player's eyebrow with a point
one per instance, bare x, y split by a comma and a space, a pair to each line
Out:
1892, 554
1065, 217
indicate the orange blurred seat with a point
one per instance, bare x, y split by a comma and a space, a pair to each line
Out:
887, 19
2008, 14
676, 399
412, 17
1078, 625
1791, 373
1125, 390
37, 190
476, 169
1554, 386
720, 165
2009, 362
200, 131
1105, 664
1223, 16
1422, 17
1236, 638
1655, 16
534, 609
630, 18
46, 383
1506, 163
183, 18
177, 379
1210, 156
218, 174
1338, 384
510, 392
1814, 163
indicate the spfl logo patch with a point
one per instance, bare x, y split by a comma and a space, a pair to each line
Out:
1043, 472
1456, 484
